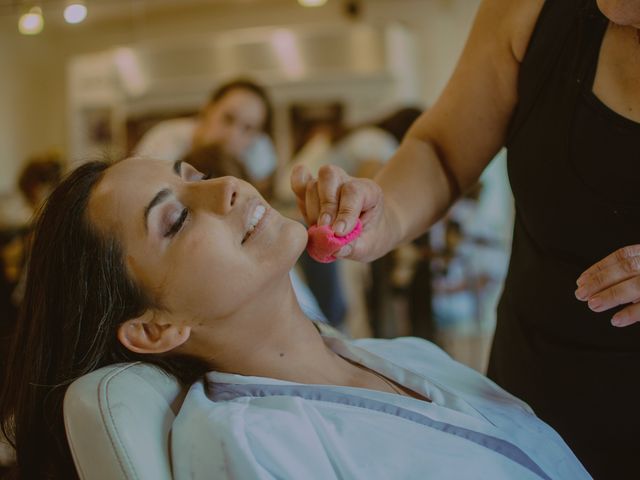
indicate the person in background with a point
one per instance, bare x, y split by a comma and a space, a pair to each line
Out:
37, 180
236, 119
39, 177
556, 82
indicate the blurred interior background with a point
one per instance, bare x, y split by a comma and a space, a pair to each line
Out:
70, 92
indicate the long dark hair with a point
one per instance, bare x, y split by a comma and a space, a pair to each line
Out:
78, 292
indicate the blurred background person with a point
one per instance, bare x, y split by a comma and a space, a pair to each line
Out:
36, 180
38, 177
236, 120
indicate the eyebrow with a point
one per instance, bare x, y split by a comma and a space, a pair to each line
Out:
159, 197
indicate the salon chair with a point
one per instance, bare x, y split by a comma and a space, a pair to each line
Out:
118, 421
118, 418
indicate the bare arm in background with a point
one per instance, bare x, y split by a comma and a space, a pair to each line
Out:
444, 152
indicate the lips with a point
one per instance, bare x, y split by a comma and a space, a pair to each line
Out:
254, 219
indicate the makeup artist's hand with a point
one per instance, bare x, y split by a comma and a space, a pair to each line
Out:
338, 199
614, 281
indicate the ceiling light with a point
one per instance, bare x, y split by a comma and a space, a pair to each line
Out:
32, 22
312, 3
75, 12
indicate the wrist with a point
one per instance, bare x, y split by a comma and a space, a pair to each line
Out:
395, 230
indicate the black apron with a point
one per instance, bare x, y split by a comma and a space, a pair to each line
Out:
574, 168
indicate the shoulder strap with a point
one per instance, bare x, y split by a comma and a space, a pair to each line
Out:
558, 22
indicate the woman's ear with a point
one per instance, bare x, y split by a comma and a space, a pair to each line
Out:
149, 334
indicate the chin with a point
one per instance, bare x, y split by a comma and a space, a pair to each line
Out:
300, 237
293, 241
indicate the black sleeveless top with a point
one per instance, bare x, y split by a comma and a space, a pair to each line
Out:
574, 168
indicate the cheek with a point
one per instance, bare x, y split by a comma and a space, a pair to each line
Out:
211, 279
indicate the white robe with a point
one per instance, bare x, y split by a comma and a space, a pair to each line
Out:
239, 427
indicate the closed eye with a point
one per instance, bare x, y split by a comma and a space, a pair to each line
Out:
177, 226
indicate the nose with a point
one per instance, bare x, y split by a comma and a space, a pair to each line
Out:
217, 194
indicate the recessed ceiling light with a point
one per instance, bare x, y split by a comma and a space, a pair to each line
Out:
75, 12
312, 3
32, 22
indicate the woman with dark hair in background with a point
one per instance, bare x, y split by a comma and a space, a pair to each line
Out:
236, 119
147, 261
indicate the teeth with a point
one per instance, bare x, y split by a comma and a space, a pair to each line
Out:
258, 213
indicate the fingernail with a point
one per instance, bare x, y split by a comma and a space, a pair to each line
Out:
325, 219
345, 251
616, 321
581, 279
581, 293
595, 304
340, 227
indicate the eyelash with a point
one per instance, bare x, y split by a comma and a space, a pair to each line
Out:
177, 226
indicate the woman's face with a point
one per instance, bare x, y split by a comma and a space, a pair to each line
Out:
622, 12
202, 248
233, 122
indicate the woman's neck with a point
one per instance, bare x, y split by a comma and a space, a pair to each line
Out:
272, 337
279, 341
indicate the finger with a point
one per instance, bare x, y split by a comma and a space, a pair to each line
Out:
357, 197
618, 294
627, 316
346, 250
359, 249
607, 277
303, 210
300, 176
330, 178
618, 256
312, 202
362, 248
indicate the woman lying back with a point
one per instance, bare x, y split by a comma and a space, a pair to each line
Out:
142, 260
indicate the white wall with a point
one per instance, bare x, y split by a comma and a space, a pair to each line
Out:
32, 102
32, 69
